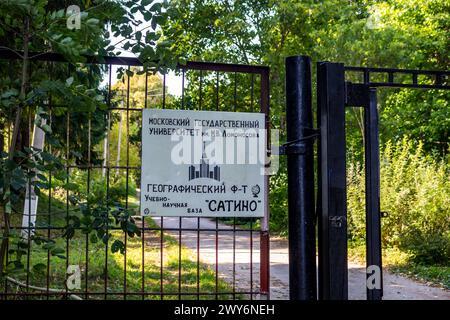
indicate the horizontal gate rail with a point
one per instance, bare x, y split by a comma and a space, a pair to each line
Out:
439, 78
134, 62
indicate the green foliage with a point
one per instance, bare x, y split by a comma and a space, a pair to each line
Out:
279, 201
439, 274
93, 187
415, 192
67, 103
401, 33
423, 115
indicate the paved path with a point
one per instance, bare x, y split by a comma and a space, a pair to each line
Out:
395, 287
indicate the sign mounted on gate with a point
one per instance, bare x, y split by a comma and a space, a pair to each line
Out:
203, 163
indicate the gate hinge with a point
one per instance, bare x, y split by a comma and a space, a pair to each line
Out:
337, 221
298, 146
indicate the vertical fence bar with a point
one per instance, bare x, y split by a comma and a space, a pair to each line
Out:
29, 228
108, 171
164, 91
179, 257
49, 216
217, 219
88, 189
300, 166
180, 220
252, 95
373, 215
217, 259
251, 259
200, 100
142, 217
127, 176
333, 279
6, 217
234, 218
198, 218
161, 271
265, 238
198, 258
67, 189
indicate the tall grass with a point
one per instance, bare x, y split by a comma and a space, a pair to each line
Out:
415, 192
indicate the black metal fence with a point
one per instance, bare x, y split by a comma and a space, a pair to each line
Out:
338, 87
172, 258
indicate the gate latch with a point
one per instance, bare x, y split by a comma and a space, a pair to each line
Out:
292, 148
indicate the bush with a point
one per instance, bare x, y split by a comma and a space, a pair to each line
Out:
415, 192
98, 189
278, 201
117, 188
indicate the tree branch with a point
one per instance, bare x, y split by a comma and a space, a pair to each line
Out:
62, 291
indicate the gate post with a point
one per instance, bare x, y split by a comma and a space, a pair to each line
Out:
332, 215
300, 167
264, 235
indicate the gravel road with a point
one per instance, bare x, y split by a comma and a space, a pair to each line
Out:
395, 286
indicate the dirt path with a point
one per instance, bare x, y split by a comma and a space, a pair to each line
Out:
395, 287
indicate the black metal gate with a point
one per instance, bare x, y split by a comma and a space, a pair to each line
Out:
176, 244
334, 94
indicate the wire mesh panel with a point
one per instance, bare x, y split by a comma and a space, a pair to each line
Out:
87, 239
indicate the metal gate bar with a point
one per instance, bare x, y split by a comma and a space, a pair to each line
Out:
299, 149
373, 214
332, 218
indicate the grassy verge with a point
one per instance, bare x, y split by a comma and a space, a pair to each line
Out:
401, 262
139, 269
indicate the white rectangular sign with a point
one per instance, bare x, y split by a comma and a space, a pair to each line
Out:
203, 163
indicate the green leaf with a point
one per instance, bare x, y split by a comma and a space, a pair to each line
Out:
76, 154
46, 128
93, 22
48, 157
129, 73
22, 245
49, 245
93, 238
39, 268
156, 7
17, 184
57, 251
116, 246
138, 35
147, 15
10, 93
